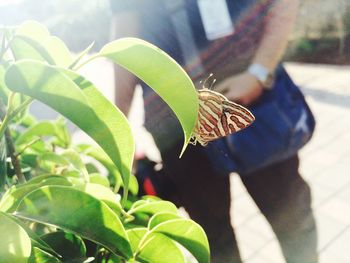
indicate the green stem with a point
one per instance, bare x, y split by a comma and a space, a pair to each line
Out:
8, 116
21, 107
86, 61
25, 147
4, 124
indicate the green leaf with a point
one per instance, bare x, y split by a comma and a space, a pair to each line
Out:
97, 178
15, 244
35, 239
156, 249
33, 41
69, 246
42, 178
14, 195
102, 193
3, 164
74, 158
133, 185
77, 212
98, 154
135, 236
34, 30
161, 218
40, 256
51, 157
58, 51
161, 73
24, 47
80, 101
44, 129
153, 207
159, 249
187, 233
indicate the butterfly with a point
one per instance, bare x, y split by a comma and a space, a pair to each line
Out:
218, 117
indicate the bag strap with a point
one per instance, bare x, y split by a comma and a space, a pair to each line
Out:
177, 11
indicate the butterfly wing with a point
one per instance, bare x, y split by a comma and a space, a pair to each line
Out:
219, 117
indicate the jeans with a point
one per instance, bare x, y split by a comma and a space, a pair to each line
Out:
278, 190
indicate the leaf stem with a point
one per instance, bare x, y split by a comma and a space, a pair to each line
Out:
27, 146
86, 61
21, 107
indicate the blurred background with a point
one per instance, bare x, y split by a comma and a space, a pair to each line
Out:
318, 59
321, 34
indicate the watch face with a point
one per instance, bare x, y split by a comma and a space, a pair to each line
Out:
270, 80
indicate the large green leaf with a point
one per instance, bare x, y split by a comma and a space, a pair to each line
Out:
98, 154
45, 128
33, 41
35, 239
40, 256
15, 244
102, 193
14, 195
135, 236
80, 101
161, 73
184, 231
77, 212
156, 249
71, 247
159, 249
153, 207
40, 129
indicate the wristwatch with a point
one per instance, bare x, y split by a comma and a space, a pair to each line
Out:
263, 75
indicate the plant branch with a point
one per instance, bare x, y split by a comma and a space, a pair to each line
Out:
21, 107
14, 158
27, 146
10, 145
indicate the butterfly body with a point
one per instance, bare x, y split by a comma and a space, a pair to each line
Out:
218, 117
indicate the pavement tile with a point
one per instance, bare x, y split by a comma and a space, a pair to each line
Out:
319, 193
242, 210
328, 228
260, 225
340, 247
252, 238
337, 209
272, 252
245, 250
328, 257
344, 195
335, 177
256, 259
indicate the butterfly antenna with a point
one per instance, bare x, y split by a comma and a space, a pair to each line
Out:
212, 84
206, 80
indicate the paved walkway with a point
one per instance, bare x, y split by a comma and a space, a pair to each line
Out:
325, 164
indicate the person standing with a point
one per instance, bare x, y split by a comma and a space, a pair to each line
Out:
241, 42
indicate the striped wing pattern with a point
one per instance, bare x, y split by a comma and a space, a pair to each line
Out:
218, 117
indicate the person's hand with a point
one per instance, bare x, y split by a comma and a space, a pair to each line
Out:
242, 88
